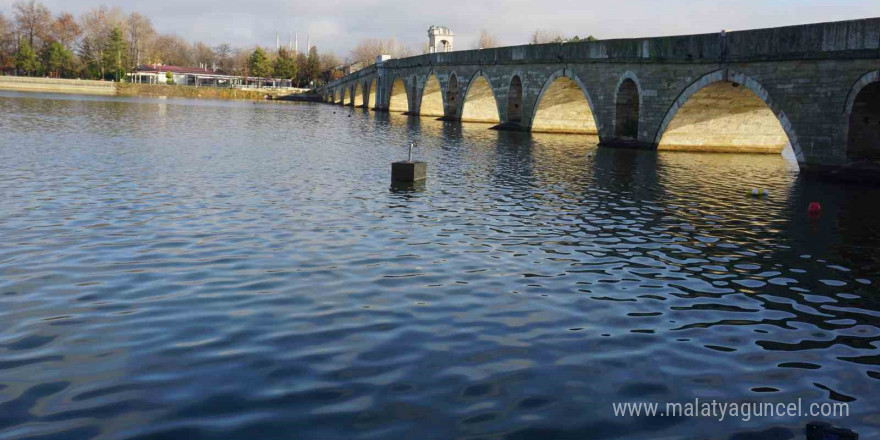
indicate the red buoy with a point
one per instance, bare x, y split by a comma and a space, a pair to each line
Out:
814, 209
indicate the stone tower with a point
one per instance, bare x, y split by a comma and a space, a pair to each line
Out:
440, 39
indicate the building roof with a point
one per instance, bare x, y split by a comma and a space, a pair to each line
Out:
174, 69
440, 30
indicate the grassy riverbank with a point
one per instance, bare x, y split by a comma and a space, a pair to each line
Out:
154, 90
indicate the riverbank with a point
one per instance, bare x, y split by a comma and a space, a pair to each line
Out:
109, 88
155, 91
55, 85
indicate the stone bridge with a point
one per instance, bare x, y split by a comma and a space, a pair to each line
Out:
812, 88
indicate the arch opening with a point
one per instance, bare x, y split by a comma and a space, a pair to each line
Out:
371, 99
725, 117
345, 98
358, 100
452, 94
432, 98
563, 108
863, 140
515, 100
627, 115
479, 102
398, 100
413, 92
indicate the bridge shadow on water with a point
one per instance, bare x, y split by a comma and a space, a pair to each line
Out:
695, 185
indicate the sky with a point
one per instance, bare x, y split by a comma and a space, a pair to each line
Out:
338, 25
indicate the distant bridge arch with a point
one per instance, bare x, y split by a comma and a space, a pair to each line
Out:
628, 105
564, 106
398, 98
862, 116
372, 95
515, 98
479, 103
358, 100
432, 97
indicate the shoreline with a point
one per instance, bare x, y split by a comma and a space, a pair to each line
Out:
109, 88
57, 85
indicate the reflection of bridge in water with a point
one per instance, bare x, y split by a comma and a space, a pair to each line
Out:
815, 88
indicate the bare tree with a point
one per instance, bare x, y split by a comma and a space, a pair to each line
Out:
96, 26
5, 30
240, 59
140, 37
329, 61
33, 20
223, 54
65, 30
173, 50
486, 41
203, 55
369, 48
6, 43
543, 36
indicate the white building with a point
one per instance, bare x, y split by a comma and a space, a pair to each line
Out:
440, 39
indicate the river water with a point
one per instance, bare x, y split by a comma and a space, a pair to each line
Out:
236, 270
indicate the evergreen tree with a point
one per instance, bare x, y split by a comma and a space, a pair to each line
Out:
26, 59
259, 64
313, 65
57, 59
114, 54
285, 65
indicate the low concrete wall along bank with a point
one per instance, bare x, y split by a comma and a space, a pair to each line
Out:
110, 88
54, 85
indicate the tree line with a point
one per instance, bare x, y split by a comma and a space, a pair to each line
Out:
106, 43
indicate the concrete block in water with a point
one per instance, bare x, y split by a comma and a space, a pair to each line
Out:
409, 171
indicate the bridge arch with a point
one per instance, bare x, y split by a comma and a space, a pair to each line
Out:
452, 95
358, 99
564, 106
863, 119
479, 103
515, 98
726, 112
432, 97
398, 98
628, 105
346, 99
371, 94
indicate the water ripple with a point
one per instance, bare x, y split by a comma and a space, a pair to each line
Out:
202, 269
